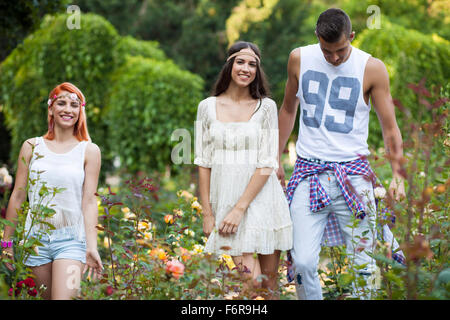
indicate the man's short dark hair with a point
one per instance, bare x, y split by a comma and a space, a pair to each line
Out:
332, 23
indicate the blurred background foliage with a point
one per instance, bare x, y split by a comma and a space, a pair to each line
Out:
137, 61
144, 65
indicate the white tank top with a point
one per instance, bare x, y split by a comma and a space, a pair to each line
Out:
64, 170
334, 118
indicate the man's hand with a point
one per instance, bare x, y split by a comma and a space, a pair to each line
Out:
281, 176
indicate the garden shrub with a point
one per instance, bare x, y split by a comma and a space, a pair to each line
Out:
129, 46
88, 57
409, 56
51, 55
149, 100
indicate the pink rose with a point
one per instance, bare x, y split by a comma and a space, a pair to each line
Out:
109, 290
175, 267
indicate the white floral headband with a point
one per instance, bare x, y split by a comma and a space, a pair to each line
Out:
71, 96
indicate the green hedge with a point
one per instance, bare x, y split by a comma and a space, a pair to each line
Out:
94, 58
51, 55
409, 56
149, 100
129, 46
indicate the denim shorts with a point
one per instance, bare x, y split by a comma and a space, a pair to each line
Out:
58, 245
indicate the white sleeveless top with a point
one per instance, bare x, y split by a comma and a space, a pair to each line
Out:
64, 170
334, 118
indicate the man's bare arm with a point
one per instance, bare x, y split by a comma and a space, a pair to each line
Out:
385, 109
288, 110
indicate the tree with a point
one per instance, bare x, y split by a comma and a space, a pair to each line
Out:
409, 56
202, 45
19, 18
90, 58
149, 100
282, 31
425, 16
191, 32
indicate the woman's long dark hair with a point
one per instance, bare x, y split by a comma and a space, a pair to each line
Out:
259, 88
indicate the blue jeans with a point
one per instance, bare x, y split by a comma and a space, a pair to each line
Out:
309, 228
59, 244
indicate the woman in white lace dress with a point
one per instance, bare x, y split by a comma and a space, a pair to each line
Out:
64, 158
245, 212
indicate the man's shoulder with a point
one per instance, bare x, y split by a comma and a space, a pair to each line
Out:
297, 52
375, 68
294, 55
375, 64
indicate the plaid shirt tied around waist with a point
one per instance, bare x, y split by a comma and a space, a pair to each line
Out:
319, 199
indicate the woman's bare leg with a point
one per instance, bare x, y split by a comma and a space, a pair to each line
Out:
251, 270
269, 267
43, 276
66, 278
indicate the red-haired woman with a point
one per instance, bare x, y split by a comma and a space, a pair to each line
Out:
70, 161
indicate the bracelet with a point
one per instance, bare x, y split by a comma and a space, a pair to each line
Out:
8, 254
7, 244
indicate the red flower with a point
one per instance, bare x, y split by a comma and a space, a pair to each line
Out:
29, 282
109, 290
32, 292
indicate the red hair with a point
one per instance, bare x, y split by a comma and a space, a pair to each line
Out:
80, 130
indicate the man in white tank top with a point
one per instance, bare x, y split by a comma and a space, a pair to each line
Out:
333, 82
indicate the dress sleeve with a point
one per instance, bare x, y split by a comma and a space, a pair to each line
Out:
268, 139
203, 143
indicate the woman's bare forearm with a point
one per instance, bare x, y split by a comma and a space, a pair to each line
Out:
15, 202
256, 183
90, 211
204, 176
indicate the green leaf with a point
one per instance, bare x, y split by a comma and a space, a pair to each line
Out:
7, 222
444, 276
344, 279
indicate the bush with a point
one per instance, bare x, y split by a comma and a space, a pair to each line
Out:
151, 243
149, 100
409, 56
129, 46
52, 55
101, 64
423, 15
421, 220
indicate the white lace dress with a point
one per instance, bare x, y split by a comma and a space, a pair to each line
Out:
233, 151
